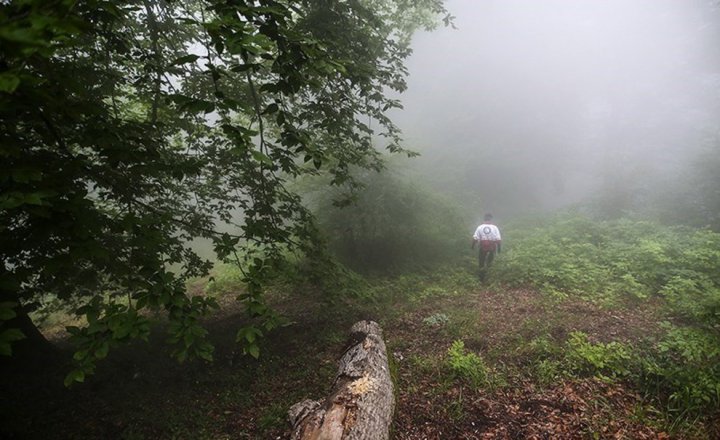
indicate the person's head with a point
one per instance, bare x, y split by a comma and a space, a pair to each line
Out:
487, 217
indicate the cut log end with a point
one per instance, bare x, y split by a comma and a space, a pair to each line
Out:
361, 403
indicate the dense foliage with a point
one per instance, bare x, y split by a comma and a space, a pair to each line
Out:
395, 224
128, 129
576, 255
615, 261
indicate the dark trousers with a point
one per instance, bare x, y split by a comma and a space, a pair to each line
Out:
486, 258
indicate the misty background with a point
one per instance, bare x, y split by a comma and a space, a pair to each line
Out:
530, 106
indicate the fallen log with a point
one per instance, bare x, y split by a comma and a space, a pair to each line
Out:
361, 403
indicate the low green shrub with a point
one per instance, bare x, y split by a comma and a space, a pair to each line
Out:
608, 360
436, 320
684, 369
547, 371
427, 293
573, 255
543, 347
466, 366
605, 261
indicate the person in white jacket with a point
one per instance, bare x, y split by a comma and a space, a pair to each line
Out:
488, 236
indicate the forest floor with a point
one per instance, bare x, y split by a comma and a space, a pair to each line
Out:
140, 393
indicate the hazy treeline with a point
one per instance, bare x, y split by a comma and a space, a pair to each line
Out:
530, 106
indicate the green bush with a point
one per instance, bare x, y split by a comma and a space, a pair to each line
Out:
600, 260
547, 371
543, 347
684, 367
436, 320
466, 366
562, 256
605, 360
572, 255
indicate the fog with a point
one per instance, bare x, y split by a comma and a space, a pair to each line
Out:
533, 105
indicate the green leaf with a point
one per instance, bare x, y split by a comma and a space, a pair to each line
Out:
23, 35
272, 108
182, 355
253, 350
6, 310
8, 82
102, 351
206, 355
11, 335
185, 59
192, 105
249, 334
7, 337
33, 199
25, 175
74, 376
239, 68
261, 157
73, 330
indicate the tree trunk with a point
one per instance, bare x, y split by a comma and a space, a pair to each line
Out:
34, 345
361, 403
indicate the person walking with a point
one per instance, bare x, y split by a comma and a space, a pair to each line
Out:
488, 236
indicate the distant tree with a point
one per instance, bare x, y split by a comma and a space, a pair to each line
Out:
129, 128
693, 198
393, 224
705, 189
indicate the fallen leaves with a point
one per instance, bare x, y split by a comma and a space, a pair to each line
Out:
571, 410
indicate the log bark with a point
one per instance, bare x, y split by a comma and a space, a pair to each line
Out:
361, 403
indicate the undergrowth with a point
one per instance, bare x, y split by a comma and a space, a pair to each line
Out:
615, 263
611, 262
467, 365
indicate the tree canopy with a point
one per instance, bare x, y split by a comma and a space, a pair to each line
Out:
129, 129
